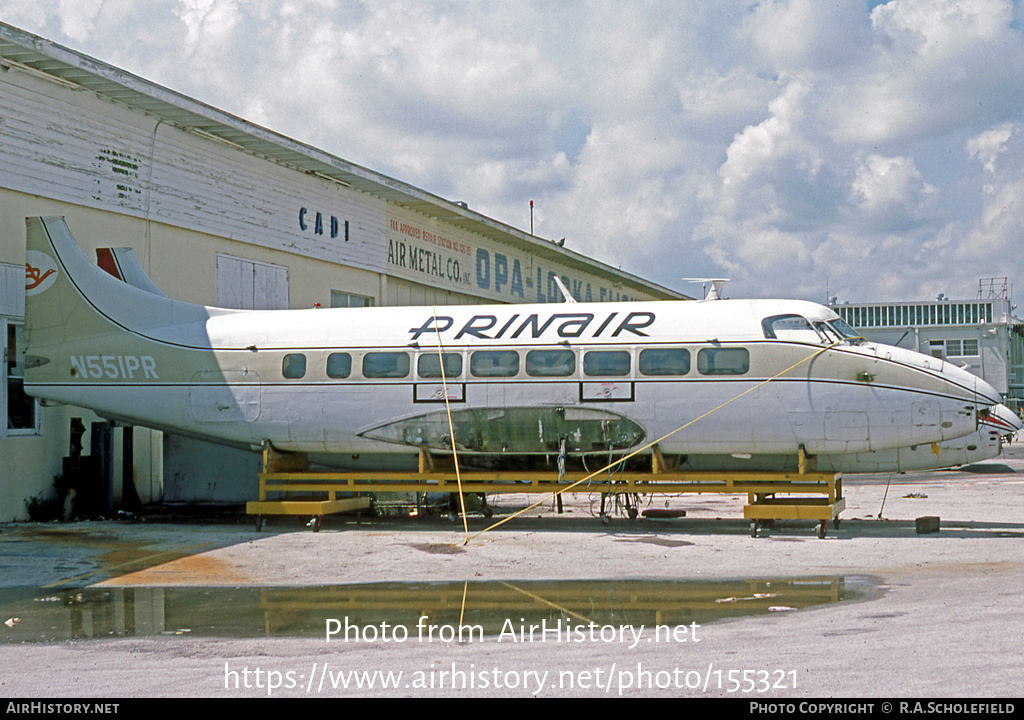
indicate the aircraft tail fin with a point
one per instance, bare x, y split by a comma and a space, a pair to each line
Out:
69, 299
58, 280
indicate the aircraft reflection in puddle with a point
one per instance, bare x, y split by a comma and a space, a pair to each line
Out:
304, 611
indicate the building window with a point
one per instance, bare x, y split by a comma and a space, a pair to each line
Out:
23, 414
955, 348
349, 300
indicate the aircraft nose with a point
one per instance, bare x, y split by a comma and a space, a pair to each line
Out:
1005, 420
988, 392
984, 393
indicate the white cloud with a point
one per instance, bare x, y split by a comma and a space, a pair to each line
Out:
890, 186
994, 236
989, 145
936, 66
788, 144
754, 151
792, 35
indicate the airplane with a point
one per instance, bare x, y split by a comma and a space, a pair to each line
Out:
499, 383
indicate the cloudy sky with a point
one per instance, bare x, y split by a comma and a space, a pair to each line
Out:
801, 148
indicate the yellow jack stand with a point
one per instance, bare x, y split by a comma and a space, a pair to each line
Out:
281, 466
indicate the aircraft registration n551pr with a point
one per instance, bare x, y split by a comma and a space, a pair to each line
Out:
499, 382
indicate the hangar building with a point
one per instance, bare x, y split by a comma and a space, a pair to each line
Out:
223, 212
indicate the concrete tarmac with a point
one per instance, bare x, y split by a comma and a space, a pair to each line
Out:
569, 606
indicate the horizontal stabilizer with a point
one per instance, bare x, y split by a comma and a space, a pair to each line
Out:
123, 264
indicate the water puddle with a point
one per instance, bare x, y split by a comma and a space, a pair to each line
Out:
32, 615
75, 556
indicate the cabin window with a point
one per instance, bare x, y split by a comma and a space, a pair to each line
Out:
723, 361
339, 365
494, 363
429, 365
790, 327
293, 366
550, 363
665, 361
606, 363
386, 365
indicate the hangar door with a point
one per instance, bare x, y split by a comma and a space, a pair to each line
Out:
251, 285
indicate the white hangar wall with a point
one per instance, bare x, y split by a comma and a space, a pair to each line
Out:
213, 223
70, 145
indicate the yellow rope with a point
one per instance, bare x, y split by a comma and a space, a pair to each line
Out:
652, 444
465, 591
543, 601
451, 429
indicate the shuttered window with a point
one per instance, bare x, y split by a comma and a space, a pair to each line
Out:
251, 285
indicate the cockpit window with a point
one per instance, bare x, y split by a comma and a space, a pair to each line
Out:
797, 328
838, 331
829, 333
844, 330
794, 328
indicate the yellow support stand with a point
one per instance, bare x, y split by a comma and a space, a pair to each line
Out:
765, 507
288, 473
284, 466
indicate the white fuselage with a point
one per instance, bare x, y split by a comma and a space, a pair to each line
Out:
706, 380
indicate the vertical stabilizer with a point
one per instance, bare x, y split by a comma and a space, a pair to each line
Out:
68, 297
56, 274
